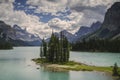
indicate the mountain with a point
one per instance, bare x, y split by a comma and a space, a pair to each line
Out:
110, 28
22, 34
6, 29
84, 30
17, 36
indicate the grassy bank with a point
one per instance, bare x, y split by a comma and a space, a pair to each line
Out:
71, 65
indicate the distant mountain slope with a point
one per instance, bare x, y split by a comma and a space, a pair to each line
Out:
6, 29
110, 28
24, 35
83, 31
29, 38
17, 36
105, 39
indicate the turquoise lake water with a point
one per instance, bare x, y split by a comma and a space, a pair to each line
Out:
16, 64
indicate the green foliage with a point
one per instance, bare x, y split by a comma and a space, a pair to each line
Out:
5, 44
44, 47
56, 50
97, 45
71, 65
115, 70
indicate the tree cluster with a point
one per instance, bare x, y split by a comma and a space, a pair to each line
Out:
56, 50
4, 44
115, 70
97, 45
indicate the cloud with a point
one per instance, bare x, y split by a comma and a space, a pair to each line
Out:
57, 25
82, 13
31, 22
48, 6
91, 10
90, 3
54, 6
32, 7
97, 6
6, 1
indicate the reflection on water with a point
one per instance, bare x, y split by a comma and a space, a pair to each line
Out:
17, 65
54, 75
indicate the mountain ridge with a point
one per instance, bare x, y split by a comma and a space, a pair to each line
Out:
110, 28
18, 36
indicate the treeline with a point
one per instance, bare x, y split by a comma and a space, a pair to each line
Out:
4, 44
56, 50
116, 70
97, 45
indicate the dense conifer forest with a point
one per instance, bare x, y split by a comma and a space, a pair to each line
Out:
4, 44
97, 45
56, 50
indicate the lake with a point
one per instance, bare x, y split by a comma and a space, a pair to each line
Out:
16, 64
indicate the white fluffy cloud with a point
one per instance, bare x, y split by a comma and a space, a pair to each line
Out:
30, 22
59, 25
48, 6
6, 1
53, 6
83, 12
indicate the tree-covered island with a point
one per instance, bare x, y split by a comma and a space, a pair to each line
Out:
54, 56
57, 50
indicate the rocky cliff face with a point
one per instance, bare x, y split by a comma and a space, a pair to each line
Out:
110, 28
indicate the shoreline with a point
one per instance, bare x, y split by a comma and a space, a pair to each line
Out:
72, 66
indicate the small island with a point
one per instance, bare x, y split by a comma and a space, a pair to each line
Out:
54, 56
71, 65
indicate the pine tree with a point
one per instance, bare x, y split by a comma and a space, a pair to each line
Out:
44, 47
41, 52
115, 70
57, 50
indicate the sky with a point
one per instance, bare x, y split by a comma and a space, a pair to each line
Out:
39, 17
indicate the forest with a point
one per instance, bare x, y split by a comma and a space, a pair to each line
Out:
4, 43
56, 50
96, 45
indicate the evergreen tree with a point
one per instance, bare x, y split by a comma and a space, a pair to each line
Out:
57, 50
41, 51
115, 70
97, 45
44, 47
